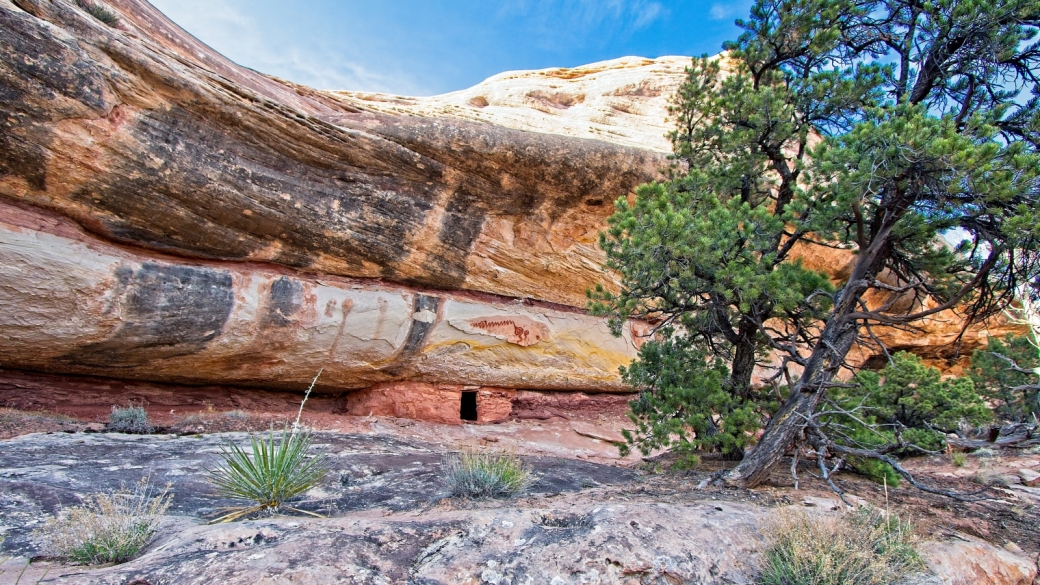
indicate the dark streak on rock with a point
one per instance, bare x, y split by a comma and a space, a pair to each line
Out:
417, 334
167, 311
283, 301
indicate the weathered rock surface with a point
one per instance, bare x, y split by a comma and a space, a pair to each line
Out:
582, 522
147, 138
167, 215
624, 101
965, 560
76, 305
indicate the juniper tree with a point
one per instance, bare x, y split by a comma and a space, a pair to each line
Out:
1007, 373
873, 127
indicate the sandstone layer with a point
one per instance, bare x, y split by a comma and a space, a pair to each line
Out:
76, 305
153, 142
168, 215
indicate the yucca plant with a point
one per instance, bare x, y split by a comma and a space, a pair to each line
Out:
275, 472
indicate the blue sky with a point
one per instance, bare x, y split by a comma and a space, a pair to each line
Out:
436, 46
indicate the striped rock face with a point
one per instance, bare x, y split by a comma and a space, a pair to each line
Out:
167, 215
75, 305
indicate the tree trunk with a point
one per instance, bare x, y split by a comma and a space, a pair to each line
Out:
743, 365
826, 360
823, 365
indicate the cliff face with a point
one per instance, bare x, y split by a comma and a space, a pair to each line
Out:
168, 215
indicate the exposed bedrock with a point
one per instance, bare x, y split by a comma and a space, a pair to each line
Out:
168, 215
171, 216
155, 148
69, 303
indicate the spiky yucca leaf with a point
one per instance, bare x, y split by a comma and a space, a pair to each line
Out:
272, 474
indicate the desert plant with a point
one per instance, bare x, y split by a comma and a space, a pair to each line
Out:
98, 11
108, 528
1007, 376
132, 419
990, 477
867, 547
272, 474
959, 459
486, 474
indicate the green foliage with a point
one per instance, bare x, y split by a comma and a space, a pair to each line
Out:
683, 403
959, 459
867, 547
998, 374
99, 11
273, 473
132, 419
108, 528
476, 474
874, 127
907, 404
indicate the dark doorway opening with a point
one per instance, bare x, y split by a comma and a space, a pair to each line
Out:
469, 406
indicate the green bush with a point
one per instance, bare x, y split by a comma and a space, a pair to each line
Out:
1015, 393
867, 547
109, 528
132, 419
907, 401
683, 403
481, 475
273, 473
98, 11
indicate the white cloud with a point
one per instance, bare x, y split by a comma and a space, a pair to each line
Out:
648, 14
582, 15
724, 10
228, 27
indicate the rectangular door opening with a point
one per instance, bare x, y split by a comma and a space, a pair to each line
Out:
469, 406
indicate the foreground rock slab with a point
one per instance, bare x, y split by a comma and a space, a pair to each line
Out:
391, 522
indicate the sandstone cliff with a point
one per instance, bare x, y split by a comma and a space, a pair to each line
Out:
168, 215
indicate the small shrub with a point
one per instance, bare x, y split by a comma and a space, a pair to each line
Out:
990, 477
236, 414
274, 472
132, 419
108, 528
480, 475
867, 547
98, 11
959, 459
687, 462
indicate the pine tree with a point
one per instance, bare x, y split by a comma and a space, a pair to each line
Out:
874, 127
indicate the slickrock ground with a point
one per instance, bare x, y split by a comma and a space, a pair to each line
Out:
391, 522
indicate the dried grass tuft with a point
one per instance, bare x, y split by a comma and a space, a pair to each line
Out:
866, 547
108, 528
486, 474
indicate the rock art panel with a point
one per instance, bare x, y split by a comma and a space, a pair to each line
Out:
72, 304
517, 329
